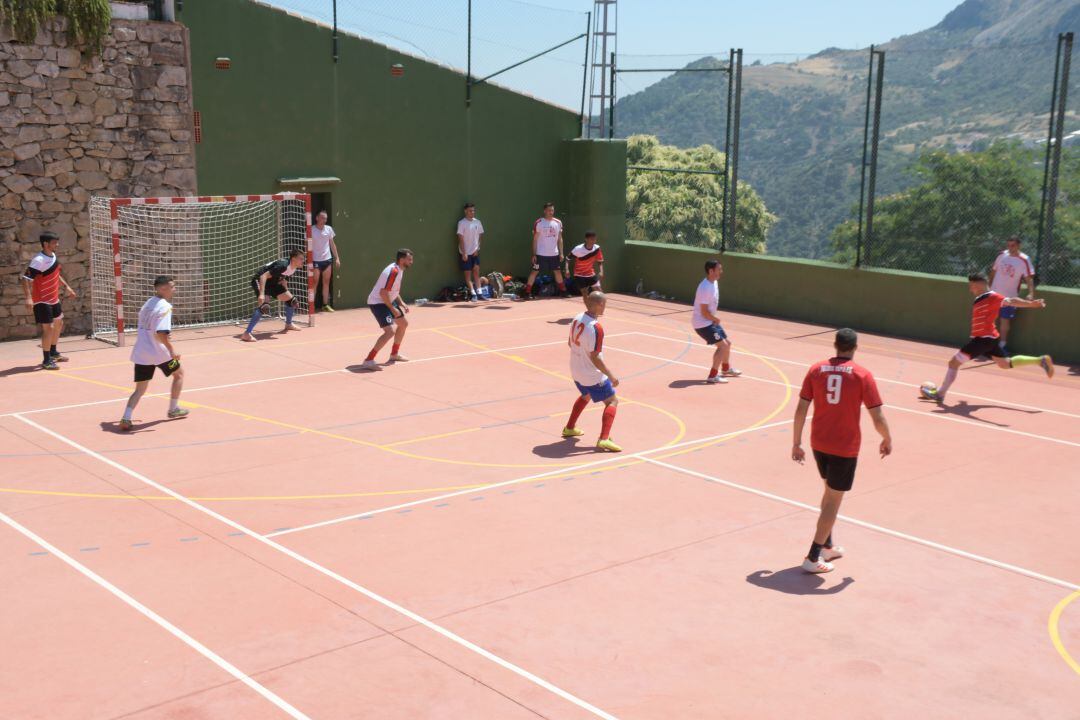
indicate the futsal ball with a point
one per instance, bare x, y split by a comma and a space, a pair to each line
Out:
928, 388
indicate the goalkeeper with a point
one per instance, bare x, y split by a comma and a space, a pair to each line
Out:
269, 282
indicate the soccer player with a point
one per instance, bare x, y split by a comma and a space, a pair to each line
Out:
837, 387
153, 350
389, 309
547, 250
326, 254
984, 337
591, 376
41, 286
588, 265
707, 324
470, 231
269, 282
1009, 268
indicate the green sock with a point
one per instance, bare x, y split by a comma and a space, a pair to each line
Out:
1022, 360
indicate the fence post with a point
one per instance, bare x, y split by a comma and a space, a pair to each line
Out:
468, 57
334, 43
611, 105
874, 137
727, 151
1052, 169
585, 72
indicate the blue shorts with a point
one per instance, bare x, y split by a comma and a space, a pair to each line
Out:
472, 262
712, 334
383, 314
597, 393
1007, 312
321, 265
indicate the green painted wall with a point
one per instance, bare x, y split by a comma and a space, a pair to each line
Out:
912, 305
407, 150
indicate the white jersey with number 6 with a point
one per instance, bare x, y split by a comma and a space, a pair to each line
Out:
389, 280
586, 337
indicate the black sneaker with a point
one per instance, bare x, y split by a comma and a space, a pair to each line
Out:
50, 364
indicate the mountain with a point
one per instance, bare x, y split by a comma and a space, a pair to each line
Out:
983, 73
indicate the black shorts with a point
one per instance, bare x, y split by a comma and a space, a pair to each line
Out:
548, 263
584, 283
982, 346
44, 314
472, 261
712, 334
383, 315
838, 472
321, 265
146, 372
273, 289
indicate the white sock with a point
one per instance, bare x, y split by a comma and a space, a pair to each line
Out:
127, 412
950, 375
174, 403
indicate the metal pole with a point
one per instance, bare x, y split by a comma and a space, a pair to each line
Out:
865, 142
727, 150
1055, 167
334, 48
585, 71
874, 137
468, 58
1049, 148
736, 122
611, 105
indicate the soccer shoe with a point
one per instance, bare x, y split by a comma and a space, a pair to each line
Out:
834, 553
931, 394
716, 380
50, 364
328, 308
473, 298
569, 432
178, 413
291, 327
398, 358
370, 365
608, 446
124, 425
1047, 364
816, 567
248, 337
731, 372
57, 357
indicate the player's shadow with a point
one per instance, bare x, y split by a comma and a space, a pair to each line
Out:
361, 370
565, 448
561, 321
967, 410
111, 426
20, 370
1073, 370
266, 334
795, 581
681, 384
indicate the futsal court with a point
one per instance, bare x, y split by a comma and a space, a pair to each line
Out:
317, 541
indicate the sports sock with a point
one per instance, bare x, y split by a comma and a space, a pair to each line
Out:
713, 372
128, 411
52, 350
174, 403
725, 366
370, 355
561, 286
815, 552
828, 541
528, 290
605, 423
1022, 360
46, 357
394, 348
579, 407
289, 311
950, 376
255, 318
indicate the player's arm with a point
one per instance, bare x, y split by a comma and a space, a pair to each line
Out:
598, 361
333, 249
536, 239
1022, 303
797, 452
1029, 281
599, 268
70, 292
163, 338
27, 279
706, 310
461, 246
560, 245
262, 286
882, 426
479, 241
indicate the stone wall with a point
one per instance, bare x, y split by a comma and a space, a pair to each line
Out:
74, 126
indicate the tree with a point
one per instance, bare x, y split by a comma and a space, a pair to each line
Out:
687, 208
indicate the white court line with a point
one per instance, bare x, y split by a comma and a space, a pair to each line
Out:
920, 413
876, 528
174, 630
879, 379
291, 377
330, 574
557, 471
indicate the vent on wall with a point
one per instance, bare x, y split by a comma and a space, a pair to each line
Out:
222, 63
198, 127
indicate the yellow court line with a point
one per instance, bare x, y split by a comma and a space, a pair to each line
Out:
1055, 635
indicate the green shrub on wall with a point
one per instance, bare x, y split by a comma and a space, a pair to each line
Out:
88, 20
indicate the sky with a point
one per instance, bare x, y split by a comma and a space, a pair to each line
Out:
507, 31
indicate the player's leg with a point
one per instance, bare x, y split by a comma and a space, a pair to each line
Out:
611, 404
401, 325
327, 276
974, 348
385, 317
316, 275
725, 360
839, 475
143, 375
58, 330
559, 281
571, 429
476, 277
1006, 325
527, 292
256, 316
172, 369
714, 335
290, 304
1045, 361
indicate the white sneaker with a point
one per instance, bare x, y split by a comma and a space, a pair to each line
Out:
715, 379
816, 567
398, 358
834, 553
370, 365
731, 372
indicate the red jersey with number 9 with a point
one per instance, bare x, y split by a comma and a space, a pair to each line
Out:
838, 387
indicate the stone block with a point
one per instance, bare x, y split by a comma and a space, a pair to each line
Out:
7, 158
168, 54
118, 152
62, 166
73, 73
165, 122
31, 133
119, 171
64, 98
10, 201
47, 106
105, 106
183, 179
55, 144
172, 76
17, 183
171, 94
10, 118
28, 52
87, 164
145, 77
60, 131
24, 100
31, 166
80, 195
92, 180
87, 97
34, 82
55, 207
115, 121
68, 58
20, 68
5, 99
47, 68
181, 135
22, 152
123, 33
78, 114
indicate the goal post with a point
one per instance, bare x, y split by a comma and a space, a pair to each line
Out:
211, 246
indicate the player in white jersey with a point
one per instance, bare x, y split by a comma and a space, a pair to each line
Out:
389, 309
707, 324
547, 250
470, 232
325, 254
592, 377
1009, 268
154, 351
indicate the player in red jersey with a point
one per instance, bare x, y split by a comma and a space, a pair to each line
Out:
41, 285
837, 387
984, 337
587, 263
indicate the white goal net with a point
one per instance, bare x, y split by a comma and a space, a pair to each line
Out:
211, 246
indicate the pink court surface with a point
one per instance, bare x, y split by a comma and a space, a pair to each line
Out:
420, 542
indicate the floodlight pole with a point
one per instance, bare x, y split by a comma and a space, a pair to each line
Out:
611, 105
871, 135
1054, 140
585, 71
735, 124
334, 45
468, 57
